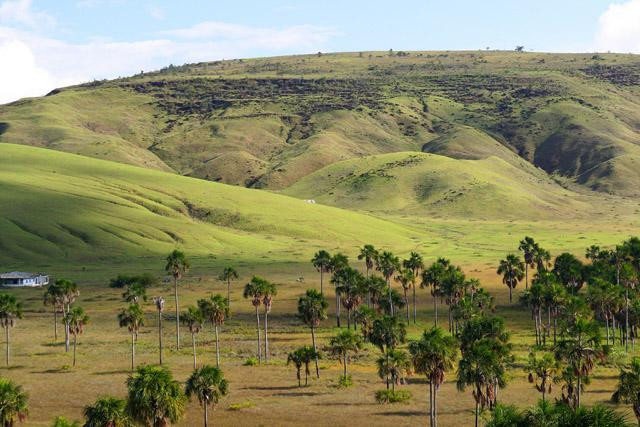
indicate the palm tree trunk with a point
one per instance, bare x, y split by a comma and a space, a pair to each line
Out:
613, 329
66, 331
259, 334
299, 377
390, 300
414, 304
510, 295
406, 303
206, 414
229, 294
526, 276
435, 406
315, 349
549, 321
431, 403
321, 280
160, 334
626, 319
477, 411
55, 324
266, 336
193, 344
133, 351
6, 332
217, 347
435, 310
606, 318
306, 375
175, 288
337, 308
344, 360
75, 344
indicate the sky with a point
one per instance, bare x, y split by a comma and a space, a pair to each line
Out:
46, 44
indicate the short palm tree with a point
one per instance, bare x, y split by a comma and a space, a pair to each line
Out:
77, 320
215, 309
628, 388
227, 275
10, 312
135, 293
297, 359
312, 309
396, 364
177, 265
107, 412
254, 291
208, 385
159, 304
13, 403
343, 345
512, 270
132, 318
322, 262
193, 320
154, 398
386, 334
54, 297
542, 371
269, 290
433, 355
70, 292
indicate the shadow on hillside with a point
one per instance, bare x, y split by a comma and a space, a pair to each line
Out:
402, 414
300, 394
119, 371
274, 388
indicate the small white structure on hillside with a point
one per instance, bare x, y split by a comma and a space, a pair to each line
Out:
19, 279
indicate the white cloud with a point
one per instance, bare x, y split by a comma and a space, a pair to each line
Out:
20, 12
619, 28
19, 74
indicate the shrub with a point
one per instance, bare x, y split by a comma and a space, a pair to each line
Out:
252, 361
345, 381
390, 396
242, 405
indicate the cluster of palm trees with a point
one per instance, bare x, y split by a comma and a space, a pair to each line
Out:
154, 398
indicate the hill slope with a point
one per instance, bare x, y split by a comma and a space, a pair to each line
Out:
57, 207
270, 122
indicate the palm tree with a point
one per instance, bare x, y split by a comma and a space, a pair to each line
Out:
541, 257
406, 278
388, 264
628, 388
135, 293
433, 278
312, 309
132, 318
54, 297
77, 320
193, 320
159, 303
386, 333
322, 262
269, 290
629, 280
534, 298
343, 344
63, 422
396, 364
107, 412
369, 254
10, 312
13, 403
339, 262
208, 385
254, 290
415, 264
364, 317
154, 397
216, 310
528, 247
297, 358
351, 287
69, 291
227, 275
177, 265
542, 369
512, 272
433, 355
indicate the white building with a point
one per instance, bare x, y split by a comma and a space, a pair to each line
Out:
18, 279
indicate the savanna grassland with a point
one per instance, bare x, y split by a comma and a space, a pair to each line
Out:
449, 154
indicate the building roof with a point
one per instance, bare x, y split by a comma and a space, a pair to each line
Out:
19, 275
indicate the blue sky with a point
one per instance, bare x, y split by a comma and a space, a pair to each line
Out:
48, 43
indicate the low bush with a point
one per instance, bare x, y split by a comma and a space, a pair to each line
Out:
391, 396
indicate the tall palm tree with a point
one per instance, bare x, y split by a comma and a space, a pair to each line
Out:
322, 262
193, 319
216, 310
154, 398
54, 297
528, 247
406, 279
388, 264
433, 278
628, 388
511, 268
386, 334
159, 303
177, 265
208, 385
13, 403
414, 263
339, 262
542, 371
132, 318
433, 355
77, 320
254, 291
269, 290
107, 412
227, 275
396, 364
312, 309
10, 312
342, 345
70, 292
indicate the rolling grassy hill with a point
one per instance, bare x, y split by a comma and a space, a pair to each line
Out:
270, 122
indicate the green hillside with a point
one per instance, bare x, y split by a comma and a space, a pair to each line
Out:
269, 122
66, 209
